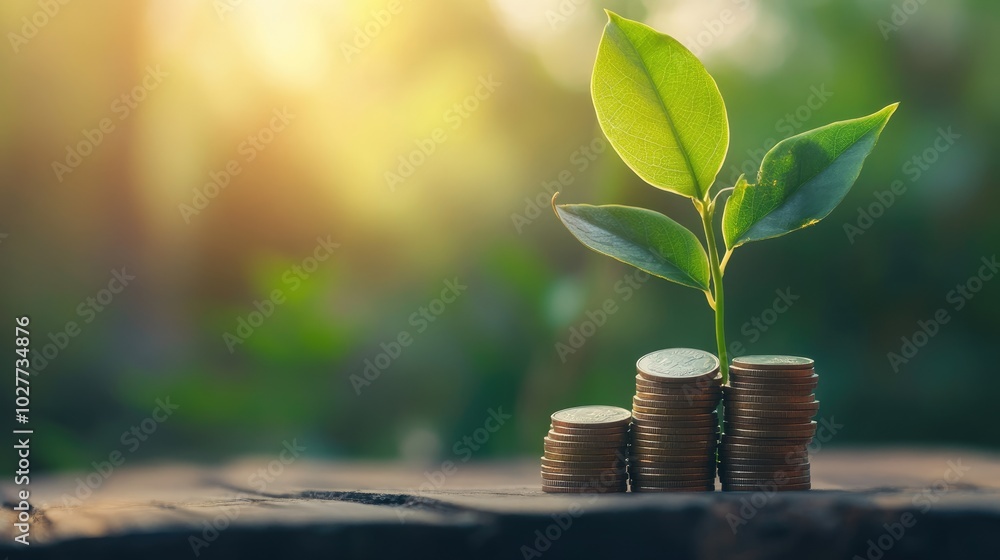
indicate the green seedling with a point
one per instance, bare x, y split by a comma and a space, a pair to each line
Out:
664, 115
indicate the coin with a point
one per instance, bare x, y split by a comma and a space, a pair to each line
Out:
792, 431
765, 422
616, 439
677, 365
769, 415
649, 411
585, 490
782, 391
730, 449
649, 483
618, 430
734, 394
654, 397
617, 454
583, 482
702, 384
703, 454
785, 391
776, 374
653, 441
607, 479
557, 444
588, 474
591, 416
733, 439
605, 465
699, 488
555, 463
586, 450
679, 470
732, 466
685, 479
587, 486
773, 382
674, 429
702, 451
675, 421
556, 485
660, 394
764, 487
679, 416
654, 430
763, 480
789, 407
703, 459
790, 458
780, 476
774, 362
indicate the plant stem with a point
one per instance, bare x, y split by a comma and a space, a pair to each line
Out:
707, 219
720, 302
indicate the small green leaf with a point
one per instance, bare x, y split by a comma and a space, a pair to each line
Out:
660, 108
801, 180
642, 238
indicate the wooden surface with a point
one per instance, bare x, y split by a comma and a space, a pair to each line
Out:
496, 510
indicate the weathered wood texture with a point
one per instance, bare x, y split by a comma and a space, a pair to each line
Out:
865, 503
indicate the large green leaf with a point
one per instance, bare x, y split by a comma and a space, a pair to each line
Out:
642, 238
660, 108
801, 180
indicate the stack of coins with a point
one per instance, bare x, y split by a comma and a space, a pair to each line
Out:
585, 450
674, 425
769, 407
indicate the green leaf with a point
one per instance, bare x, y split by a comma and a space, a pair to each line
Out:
642, 238
801, 180
660, 108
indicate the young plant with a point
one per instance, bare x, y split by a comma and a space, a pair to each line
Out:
665, 117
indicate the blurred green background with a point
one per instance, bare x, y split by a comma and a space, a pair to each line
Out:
487, 104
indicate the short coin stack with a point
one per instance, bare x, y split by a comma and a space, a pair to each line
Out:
674, 425
769, 407
585, 450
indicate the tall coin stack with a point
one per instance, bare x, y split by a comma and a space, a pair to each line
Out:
769, 406
585, 450
674, 425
